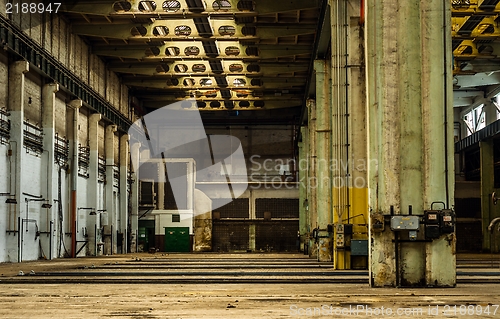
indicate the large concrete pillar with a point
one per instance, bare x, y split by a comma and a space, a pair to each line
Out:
323, 155
93, 185
109, 144
48, 176
134, 199
410, 120
17, 71
75, 105
488, 210
312, 183
303, 177
349, 134
124, 195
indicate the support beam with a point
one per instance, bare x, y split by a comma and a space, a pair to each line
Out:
123, 190
134, 199
488, 210
17, 71
302, 167
75, 105
323, 147
93, 182
111, 209
312, 184
410, 122
48, 175
267, 7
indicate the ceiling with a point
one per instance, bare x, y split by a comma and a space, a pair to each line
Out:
244, 61
476, 51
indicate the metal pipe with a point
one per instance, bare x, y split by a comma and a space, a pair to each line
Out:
445, 58
492, 223
31, 195
50, 239
9, 155
111, 240
21, 236
95, 239
74, 181
19, 252
396, 256
73, 223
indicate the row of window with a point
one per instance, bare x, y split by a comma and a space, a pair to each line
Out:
201, 68
175, 6
185, 30
195, 51
208, 82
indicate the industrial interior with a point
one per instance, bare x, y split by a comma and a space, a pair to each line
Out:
368, 131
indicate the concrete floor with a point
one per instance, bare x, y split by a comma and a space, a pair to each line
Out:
181, 286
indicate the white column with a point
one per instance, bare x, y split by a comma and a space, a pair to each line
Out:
109, 144
134, 214
48, 176
93, 181
17, 71
124, 195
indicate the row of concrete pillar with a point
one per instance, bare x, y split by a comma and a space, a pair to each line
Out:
118, 214
382, 122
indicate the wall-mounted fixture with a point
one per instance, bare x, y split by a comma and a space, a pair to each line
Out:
92, 210
11, 200
46, 203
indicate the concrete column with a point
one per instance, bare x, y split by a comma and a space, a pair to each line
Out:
17, 71
134, 198
124, 195
251, 237
313, 181
490, 112
438, 173
410, 120
75, 105
349, 132
48, 175
93, 184
109, 144
487, 188
303, 194
323, 152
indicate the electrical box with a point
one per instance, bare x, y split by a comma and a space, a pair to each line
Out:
340, 240
438, 222
447, 221
432, 221
405, 222
343, 234
377, 221
344, 229
359, 247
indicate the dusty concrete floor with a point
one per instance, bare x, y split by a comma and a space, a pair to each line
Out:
223, 300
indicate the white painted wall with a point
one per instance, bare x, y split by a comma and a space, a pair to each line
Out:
4, 208
73, 53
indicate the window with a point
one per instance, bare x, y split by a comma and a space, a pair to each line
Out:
176, 218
